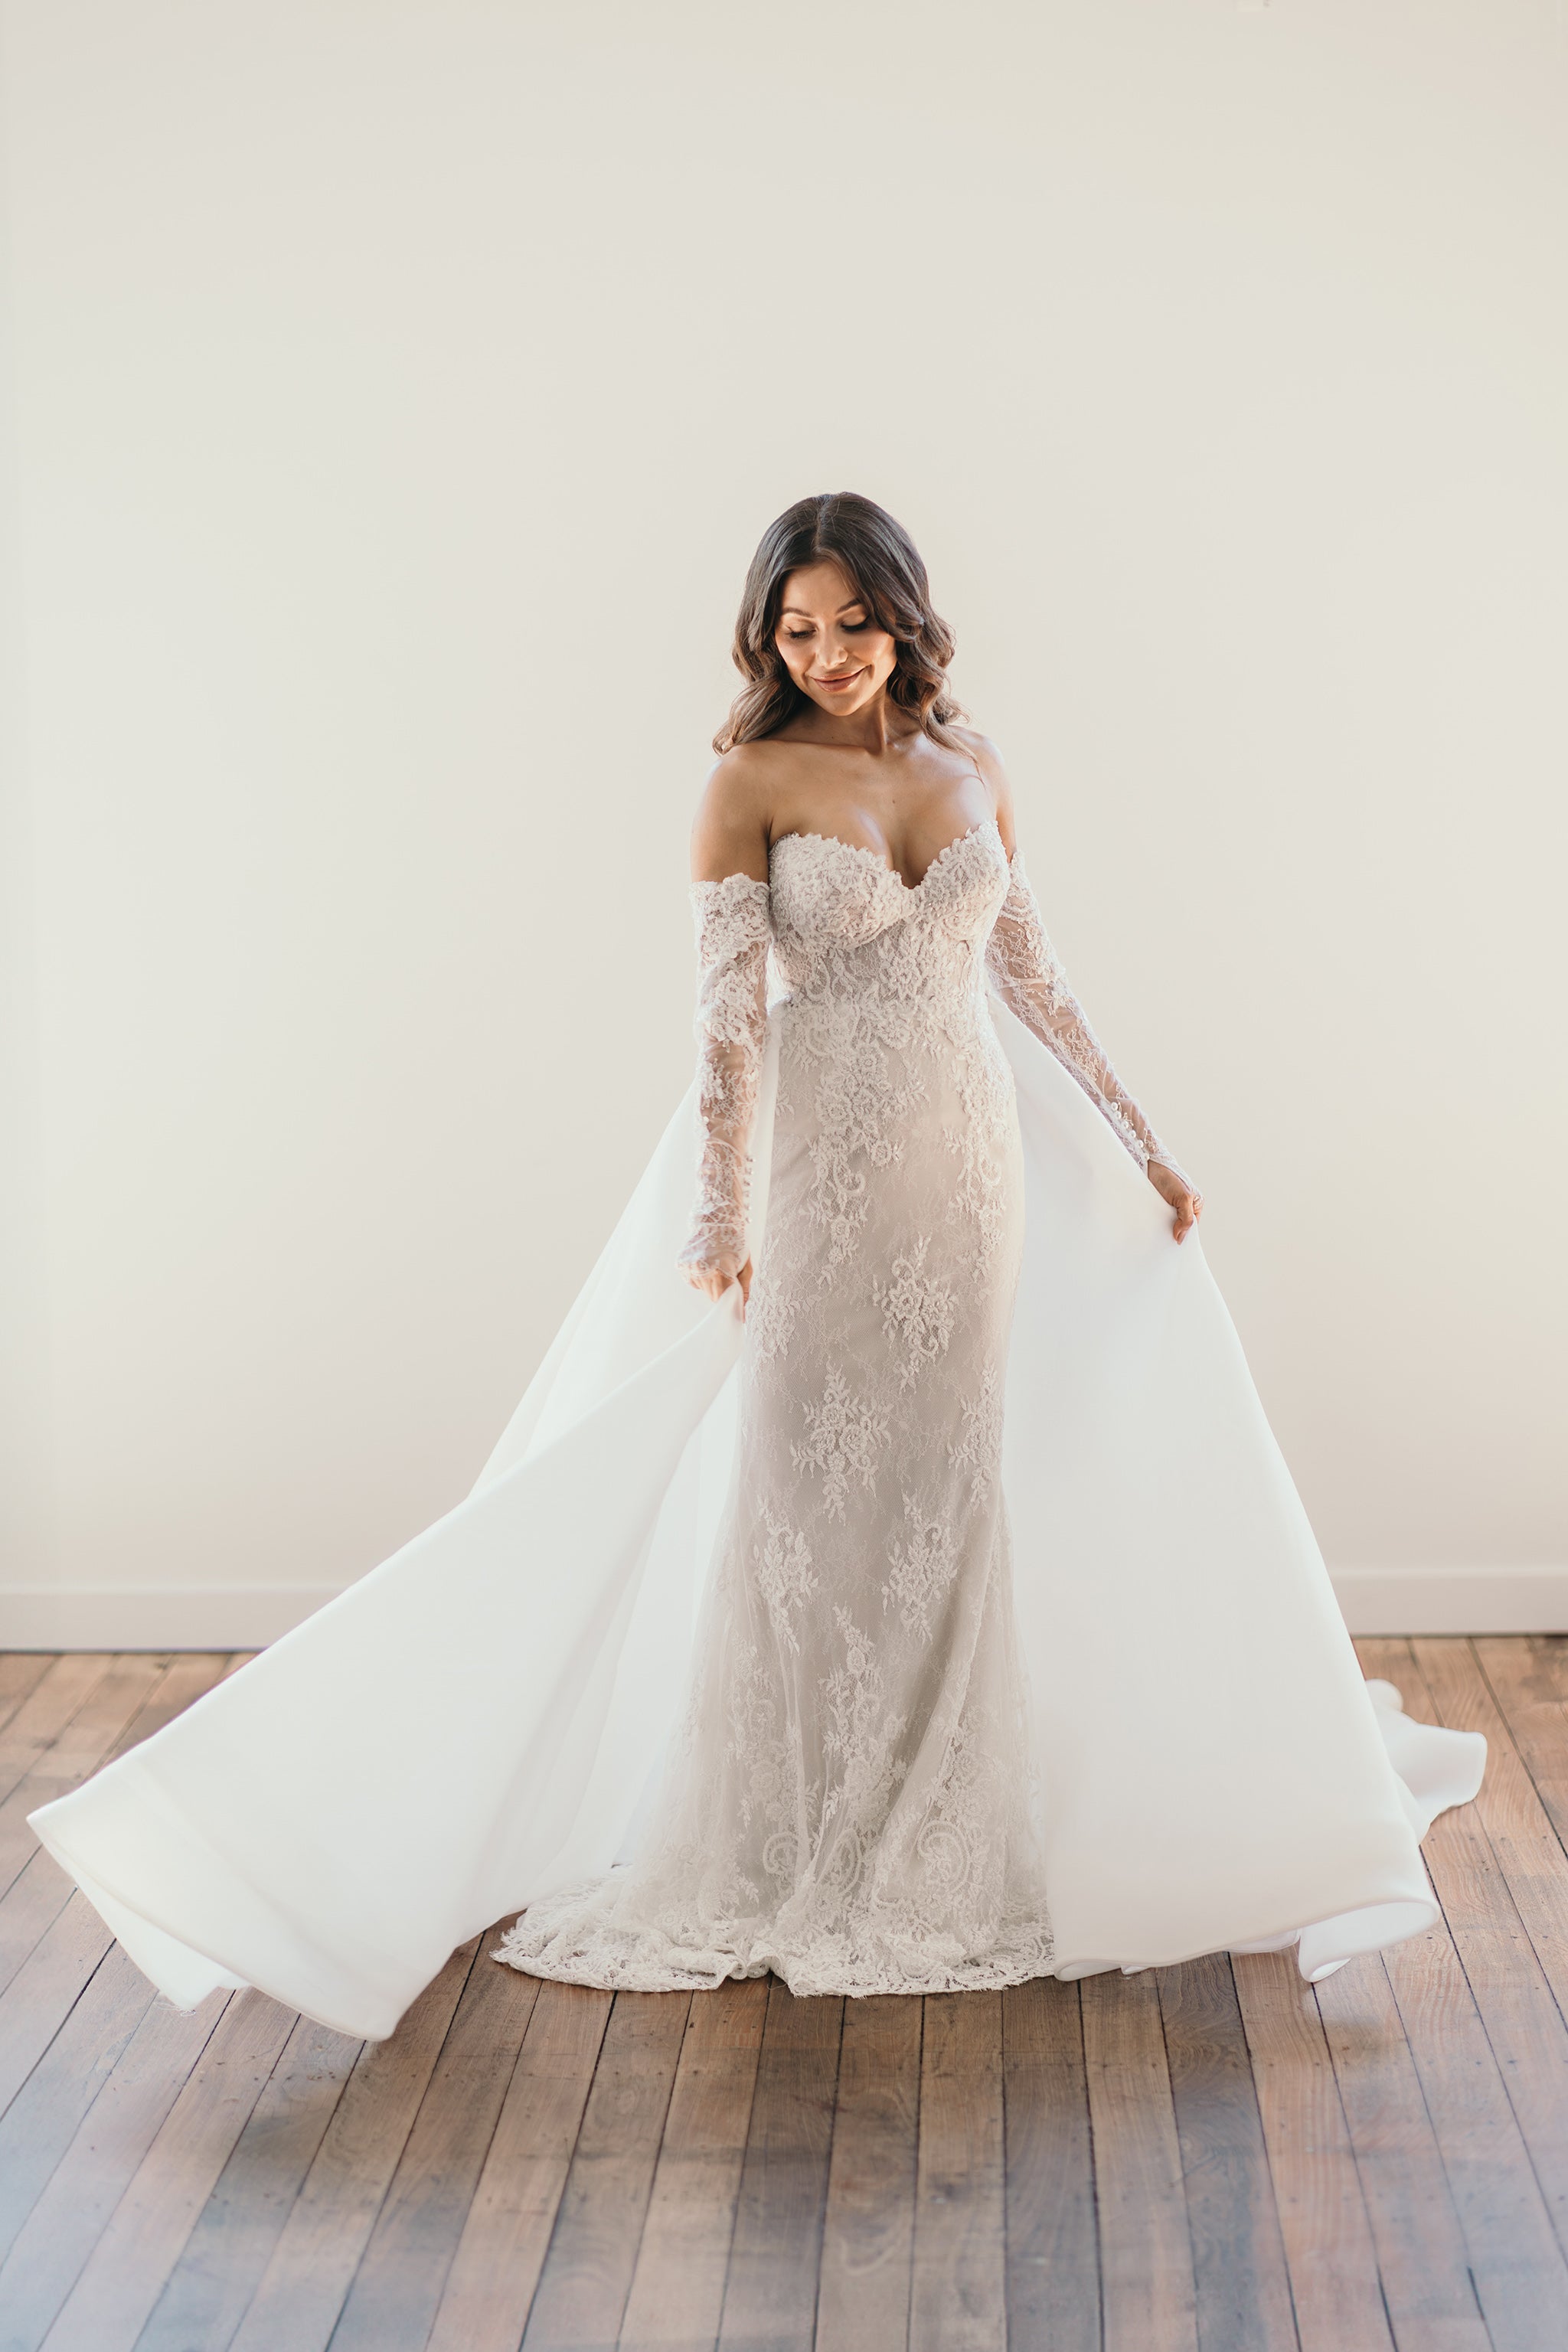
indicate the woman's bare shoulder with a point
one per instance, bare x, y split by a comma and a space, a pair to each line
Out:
731, 834
742, 782
988, 760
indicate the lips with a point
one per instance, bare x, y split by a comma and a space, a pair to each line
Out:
835, 684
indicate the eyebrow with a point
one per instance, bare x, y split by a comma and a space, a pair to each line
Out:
856, 604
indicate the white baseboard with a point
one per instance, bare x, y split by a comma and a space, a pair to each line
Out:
1453, 1600
246, 1617
238, 1617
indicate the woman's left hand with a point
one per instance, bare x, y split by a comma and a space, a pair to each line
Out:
1187, 1204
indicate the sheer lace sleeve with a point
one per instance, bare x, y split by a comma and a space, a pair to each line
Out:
1027, 975
732, 932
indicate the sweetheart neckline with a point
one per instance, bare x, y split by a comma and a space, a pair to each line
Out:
859, 849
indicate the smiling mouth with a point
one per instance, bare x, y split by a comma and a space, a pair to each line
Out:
837, 685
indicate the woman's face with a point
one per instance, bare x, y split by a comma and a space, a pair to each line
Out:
831, 645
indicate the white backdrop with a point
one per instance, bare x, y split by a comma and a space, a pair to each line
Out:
395, 392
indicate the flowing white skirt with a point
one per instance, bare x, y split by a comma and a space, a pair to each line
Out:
481, 1719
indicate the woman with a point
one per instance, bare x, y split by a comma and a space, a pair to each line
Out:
1016, 1652
852, 1807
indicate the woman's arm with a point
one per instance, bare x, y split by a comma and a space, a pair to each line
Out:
729, 905
1027, 975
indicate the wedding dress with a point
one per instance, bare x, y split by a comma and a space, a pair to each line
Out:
953, 1622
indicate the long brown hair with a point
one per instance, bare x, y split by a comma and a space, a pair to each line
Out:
882, 565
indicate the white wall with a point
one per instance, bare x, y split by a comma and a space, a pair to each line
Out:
397, 391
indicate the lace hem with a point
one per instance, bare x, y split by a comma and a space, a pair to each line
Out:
560, 1938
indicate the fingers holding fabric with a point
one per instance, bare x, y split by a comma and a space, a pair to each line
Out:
715, 1275
1183, 1198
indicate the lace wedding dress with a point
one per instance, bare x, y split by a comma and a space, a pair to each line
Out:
850, 1804
950, 1620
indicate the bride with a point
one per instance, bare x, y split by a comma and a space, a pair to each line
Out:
920, 1605
852, 1804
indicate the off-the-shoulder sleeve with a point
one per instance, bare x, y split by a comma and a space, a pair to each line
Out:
732, 935
1028, 978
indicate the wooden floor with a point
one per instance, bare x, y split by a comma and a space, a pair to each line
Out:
1212, 2157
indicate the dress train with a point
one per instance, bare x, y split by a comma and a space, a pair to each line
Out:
480, 1721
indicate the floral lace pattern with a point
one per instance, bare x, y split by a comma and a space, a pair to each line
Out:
1027, 975
925, 1562
732, 920
977, 1448
918, 1311
848, 1801
844, 1442
781, 1571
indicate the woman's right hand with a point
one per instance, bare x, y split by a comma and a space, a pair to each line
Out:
713, 1276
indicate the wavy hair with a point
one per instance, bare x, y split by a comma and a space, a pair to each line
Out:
882, 564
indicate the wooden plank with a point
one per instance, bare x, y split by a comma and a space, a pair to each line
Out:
587, 2273
1145, 2252
128, 2267
1422, 2257
35, 1890
40, 1890
189, 1677
1323, 2219
1526, 2040
1242, 2290
770, 2299
110, 1706
1514, 2257
52, 2247
305, 2284
868, 2229
110, 1719
392, 2303
1527, 1677
1504, 1834
1526, 1680
677, 2287
49, 1708
1520, 2279
491, 2282
1500, 1868
21, 1672
1484, 1686
77, 1750
28, 1909
41, 2121
1539, 1660
959, 2299
1053, 2248
226, 2252
44, 1989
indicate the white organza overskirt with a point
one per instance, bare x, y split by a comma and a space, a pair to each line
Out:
481, 1720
